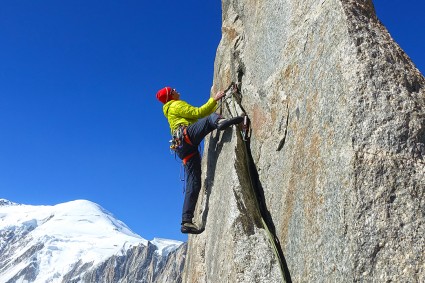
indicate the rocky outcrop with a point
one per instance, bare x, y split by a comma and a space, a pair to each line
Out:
331, 186
139, 264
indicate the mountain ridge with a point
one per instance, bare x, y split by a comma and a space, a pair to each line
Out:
46, 243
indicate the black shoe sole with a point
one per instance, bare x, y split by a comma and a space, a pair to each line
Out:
186, 230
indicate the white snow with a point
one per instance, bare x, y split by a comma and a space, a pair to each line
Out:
165, 246
72, 231
6, 202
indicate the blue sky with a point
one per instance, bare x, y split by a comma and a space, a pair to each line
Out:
78, 114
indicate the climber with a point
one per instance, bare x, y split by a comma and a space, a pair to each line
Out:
189, 125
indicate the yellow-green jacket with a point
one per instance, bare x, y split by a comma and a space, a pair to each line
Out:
179, 112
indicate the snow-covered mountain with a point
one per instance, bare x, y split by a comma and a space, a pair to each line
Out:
72, 241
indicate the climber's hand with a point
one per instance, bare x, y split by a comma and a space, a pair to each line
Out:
219, 95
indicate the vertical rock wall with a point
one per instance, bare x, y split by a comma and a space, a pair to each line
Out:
338, 143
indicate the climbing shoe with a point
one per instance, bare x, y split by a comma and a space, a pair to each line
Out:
190, 228
223, 123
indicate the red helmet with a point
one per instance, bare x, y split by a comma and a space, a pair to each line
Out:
164, 94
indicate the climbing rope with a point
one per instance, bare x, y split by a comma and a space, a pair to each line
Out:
260, 206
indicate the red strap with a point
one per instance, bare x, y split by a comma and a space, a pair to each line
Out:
187, 140
186, 136
187, 157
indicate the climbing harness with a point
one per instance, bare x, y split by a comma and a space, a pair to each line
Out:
179, 135
176, 143
186, 136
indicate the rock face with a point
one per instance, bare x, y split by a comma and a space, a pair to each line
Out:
331, 186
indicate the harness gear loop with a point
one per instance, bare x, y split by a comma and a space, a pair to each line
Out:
176, 141
179, 135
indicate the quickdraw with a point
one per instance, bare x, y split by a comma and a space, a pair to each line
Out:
179, 135
246, 133
246, 126
176, 141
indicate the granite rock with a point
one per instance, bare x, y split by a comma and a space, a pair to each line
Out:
337, 147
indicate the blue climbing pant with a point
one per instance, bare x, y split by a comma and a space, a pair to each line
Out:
196, 133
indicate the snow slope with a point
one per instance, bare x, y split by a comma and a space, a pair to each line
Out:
47, 241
